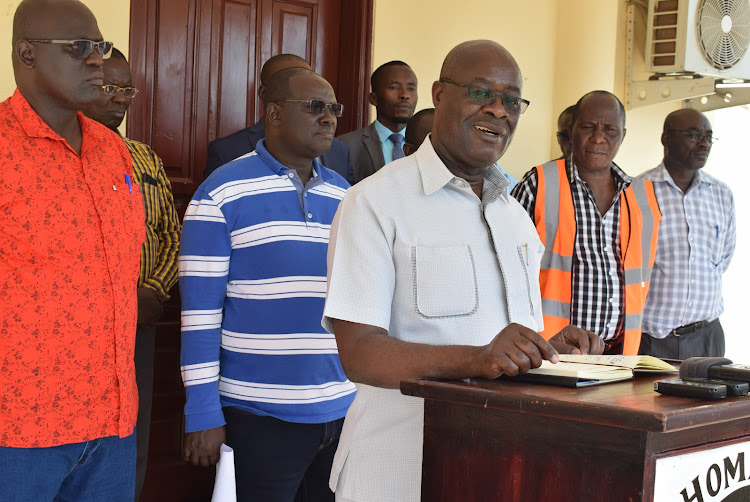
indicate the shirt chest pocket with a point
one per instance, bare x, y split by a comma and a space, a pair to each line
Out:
445, 282
716, 236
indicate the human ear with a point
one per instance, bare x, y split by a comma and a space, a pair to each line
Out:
437, 92
24, 51
273, 114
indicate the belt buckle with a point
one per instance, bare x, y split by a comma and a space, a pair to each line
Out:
689, 328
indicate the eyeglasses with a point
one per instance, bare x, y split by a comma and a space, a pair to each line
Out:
81, 49
318, 106
486, 97
695, 137
128, 92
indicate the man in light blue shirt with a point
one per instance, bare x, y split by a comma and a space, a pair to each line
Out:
394, 95
696, 242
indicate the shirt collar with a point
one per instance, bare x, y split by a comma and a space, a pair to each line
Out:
384, 133
435, 175
281, 170
662, 175
31, 122
34, 126
622, 180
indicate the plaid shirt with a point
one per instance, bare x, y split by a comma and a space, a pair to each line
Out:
597, 278
159, 252
696, 241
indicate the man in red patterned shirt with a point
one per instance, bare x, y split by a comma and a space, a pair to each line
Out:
71, 229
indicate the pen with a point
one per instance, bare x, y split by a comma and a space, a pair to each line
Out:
717, 231
129, 182
527, 253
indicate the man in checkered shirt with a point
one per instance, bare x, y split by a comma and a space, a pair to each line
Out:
696, 242
598, 226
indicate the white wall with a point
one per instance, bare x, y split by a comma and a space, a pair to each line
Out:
730, 162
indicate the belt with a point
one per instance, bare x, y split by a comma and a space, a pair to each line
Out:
689, 328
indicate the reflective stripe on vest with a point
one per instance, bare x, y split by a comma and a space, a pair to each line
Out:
554, 216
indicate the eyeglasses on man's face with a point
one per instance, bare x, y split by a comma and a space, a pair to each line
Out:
318, 106
80, 49
696, 137
128, 92
485, 97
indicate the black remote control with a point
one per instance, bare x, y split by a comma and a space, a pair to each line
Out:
697, 390
734, 387
730, 372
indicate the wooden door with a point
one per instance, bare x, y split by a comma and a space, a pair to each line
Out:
197, 64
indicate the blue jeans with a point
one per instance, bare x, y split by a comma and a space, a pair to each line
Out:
93, 471
277, 461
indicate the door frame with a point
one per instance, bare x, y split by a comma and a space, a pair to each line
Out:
353, 79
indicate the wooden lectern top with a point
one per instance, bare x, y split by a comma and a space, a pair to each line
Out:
631, 404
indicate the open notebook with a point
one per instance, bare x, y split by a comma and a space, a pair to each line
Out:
584, 370
645, 364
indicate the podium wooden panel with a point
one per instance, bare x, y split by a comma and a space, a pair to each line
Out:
487, 440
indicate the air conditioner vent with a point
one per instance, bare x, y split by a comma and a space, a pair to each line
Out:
724, 31
705, 37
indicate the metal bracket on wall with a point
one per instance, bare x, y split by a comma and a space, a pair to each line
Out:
722, 98
644, 88
650, 92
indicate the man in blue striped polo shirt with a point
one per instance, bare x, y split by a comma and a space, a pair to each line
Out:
259, 370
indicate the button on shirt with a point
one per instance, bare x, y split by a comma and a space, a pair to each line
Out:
696, 242
70, 240
442, 267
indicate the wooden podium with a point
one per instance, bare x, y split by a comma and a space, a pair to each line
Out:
492, 440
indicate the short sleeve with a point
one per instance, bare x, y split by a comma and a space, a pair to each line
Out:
361, 272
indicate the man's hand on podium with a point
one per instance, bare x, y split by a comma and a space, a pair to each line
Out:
574, 340
516, 349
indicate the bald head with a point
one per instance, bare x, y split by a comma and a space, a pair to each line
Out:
676, 119
46, 18
274, 65
470, 53
49, 75
278, 88
471, 133
600, 95
687, 140
278, 63
417, 129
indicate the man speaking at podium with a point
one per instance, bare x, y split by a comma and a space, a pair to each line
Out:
433, 272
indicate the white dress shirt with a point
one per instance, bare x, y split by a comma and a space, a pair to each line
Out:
414, 251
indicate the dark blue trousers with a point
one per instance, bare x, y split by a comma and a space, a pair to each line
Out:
277, 461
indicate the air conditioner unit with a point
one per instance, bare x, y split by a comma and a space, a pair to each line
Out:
707, 37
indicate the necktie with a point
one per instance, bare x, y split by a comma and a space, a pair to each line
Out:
398, 145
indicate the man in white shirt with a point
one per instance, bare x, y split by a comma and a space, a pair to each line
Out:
696, 242
433, 272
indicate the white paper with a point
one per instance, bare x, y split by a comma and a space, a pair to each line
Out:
224, 486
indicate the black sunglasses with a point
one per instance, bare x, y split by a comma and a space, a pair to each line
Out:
318, 106
80, 49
